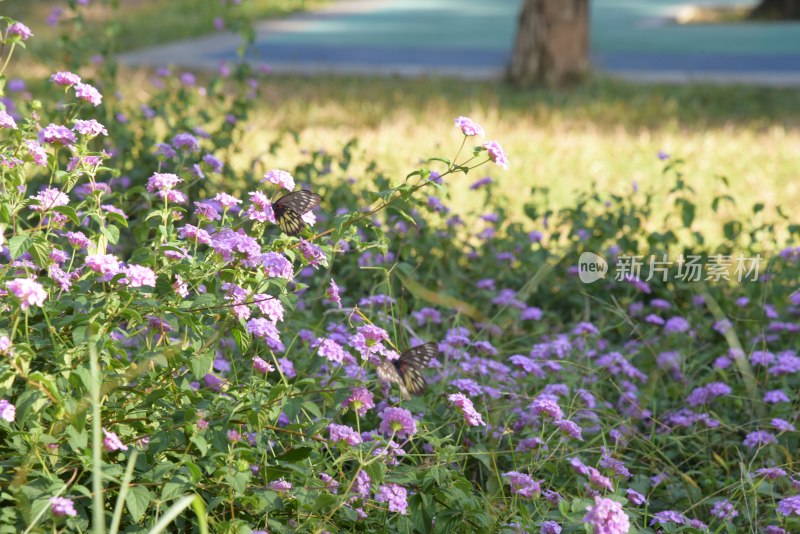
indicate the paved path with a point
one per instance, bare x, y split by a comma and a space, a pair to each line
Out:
632, 39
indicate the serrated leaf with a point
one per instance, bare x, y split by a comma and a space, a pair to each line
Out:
242, 338
239, 481
40, 250
77, 440
174, 489
137, 500
111, 233
289, 300
18, 245
376, 471
201, 364
85, 377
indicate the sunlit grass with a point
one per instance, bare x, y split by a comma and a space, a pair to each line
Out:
606, 133
603, 133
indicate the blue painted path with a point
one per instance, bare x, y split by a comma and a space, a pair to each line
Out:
474, 38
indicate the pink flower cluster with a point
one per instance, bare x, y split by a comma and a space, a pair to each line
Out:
61, 506
395, 496
83, 91
607, 517
280, 178
361, 401
28, 291
343, 433
398, 421
112, 443
523, 485
465, 405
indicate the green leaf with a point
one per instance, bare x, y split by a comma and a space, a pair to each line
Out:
77, 440
137, 500
324, 501
404, 215
239, 481
40, 251
732, 229
201, 364
68, 212
313, 409
242, 338
482, 519
479, 453
376, 471
195, 471
687, 213
174, 489
295, 455
18, 245
441, 187
289, 300
111, 233
201, 444
83, 374
117, 218
47, 381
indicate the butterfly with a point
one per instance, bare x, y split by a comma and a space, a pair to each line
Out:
290, 208
406, 371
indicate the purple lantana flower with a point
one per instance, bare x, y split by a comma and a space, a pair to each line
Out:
469, 127
465, 405
397, 421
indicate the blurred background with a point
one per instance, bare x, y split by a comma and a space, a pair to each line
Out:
580, 92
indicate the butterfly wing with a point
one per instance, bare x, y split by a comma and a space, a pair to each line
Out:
289, 220
387, 372
413, 381
411, 364
301, 201
406, 371
290, 208
420, 356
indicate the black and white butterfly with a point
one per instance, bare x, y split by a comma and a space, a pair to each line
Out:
290, 208
406, 371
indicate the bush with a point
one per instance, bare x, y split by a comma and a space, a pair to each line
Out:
165, 345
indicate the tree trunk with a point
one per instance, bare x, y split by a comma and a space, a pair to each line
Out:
552, 44
776, 9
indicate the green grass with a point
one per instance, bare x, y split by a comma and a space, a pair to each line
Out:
151, 22
604, 132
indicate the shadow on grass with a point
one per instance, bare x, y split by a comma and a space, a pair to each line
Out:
600, 101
